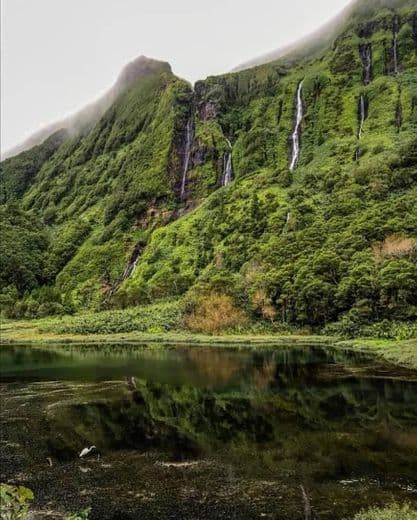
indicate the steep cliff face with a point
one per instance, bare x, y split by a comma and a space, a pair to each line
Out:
314, 237
123, 171
285, 185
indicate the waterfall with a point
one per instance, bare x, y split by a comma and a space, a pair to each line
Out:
366, 56
395, 44
227, 166
362, 115
130, 269
187, 155
296, 133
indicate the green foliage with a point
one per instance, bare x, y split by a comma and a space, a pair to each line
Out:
14, 501
352, 326
64, 244
19, 173
393, 512
82, 515
159, 317
332, 241
23, 245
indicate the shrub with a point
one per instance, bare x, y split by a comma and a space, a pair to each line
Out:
14, 501
348, 327
159, 317
214, 312
393, 512
82, 515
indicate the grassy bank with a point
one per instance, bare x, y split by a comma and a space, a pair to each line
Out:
60, 330
34, 332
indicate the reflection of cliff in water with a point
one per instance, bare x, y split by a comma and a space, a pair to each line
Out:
245, 422
289, 421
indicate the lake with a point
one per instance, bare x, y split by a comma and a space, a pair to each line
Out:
206, 432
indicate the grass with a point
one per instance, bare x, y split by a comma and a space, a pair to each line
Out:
33, 332
392, 512
160, 323
402, 353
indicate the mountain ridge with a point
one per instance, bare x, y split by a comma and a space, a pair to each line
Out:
291, 53
87, 116
194, 194
315, 42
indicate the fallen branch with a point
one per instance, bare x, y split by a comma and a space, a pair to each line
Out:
307, 505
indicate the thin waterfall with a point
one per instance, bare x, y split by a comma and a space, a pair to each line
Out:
227, 166
395, 44
187, 155
366, 56
296, 133
362, 115
130, 268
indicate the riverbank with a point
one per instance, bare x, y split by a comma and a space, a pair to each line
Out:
402, 353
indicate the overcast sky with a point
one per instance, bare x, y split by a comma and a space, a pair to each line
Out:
58, 55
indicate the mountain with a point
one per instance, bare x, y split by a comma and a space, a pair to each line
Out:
83, 120
324, 37
288, 189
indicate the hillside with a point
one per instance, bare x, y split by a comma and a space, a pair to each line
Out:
284, 193
320, 41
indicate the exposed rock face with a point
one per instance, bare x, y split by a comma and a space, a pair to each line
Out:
365, 51
207, 111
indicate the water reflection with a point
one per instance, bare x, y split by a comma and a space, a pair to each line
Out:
284, 415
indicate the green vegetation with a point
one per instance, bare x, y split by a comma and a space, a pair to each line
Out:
169, 323
393, 512
83, 515
14, 501
96, 221
155, 318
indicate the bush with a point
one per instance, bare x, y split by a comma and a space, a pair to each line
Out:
160, 317
390, 330
393, 512
14, 501
213, 312
82, 515
347, 327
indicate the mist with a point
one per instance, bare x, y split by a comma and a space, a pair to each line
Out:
58, 57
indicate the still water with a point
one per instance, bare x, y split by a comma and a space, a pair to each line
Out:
206, 432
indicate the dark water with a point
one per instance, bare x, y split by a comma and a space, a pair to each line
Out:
206, 432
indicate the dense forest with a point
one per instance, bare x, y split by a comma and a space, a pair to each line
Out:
284, 194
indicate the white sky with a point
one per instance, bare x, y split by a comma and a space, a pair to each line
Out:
58, 55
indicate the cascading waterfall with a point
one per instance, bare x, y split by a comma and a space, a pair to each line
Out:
366, 56
395, 44
227, 166
187, 155
130, 269
362, 115
365, 51
296, 133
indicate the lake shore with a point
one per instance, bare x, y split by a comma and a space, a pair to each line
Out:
402, 353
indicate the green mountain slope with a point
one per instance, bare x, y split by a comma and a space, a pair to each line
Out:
134, 210
322, 39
